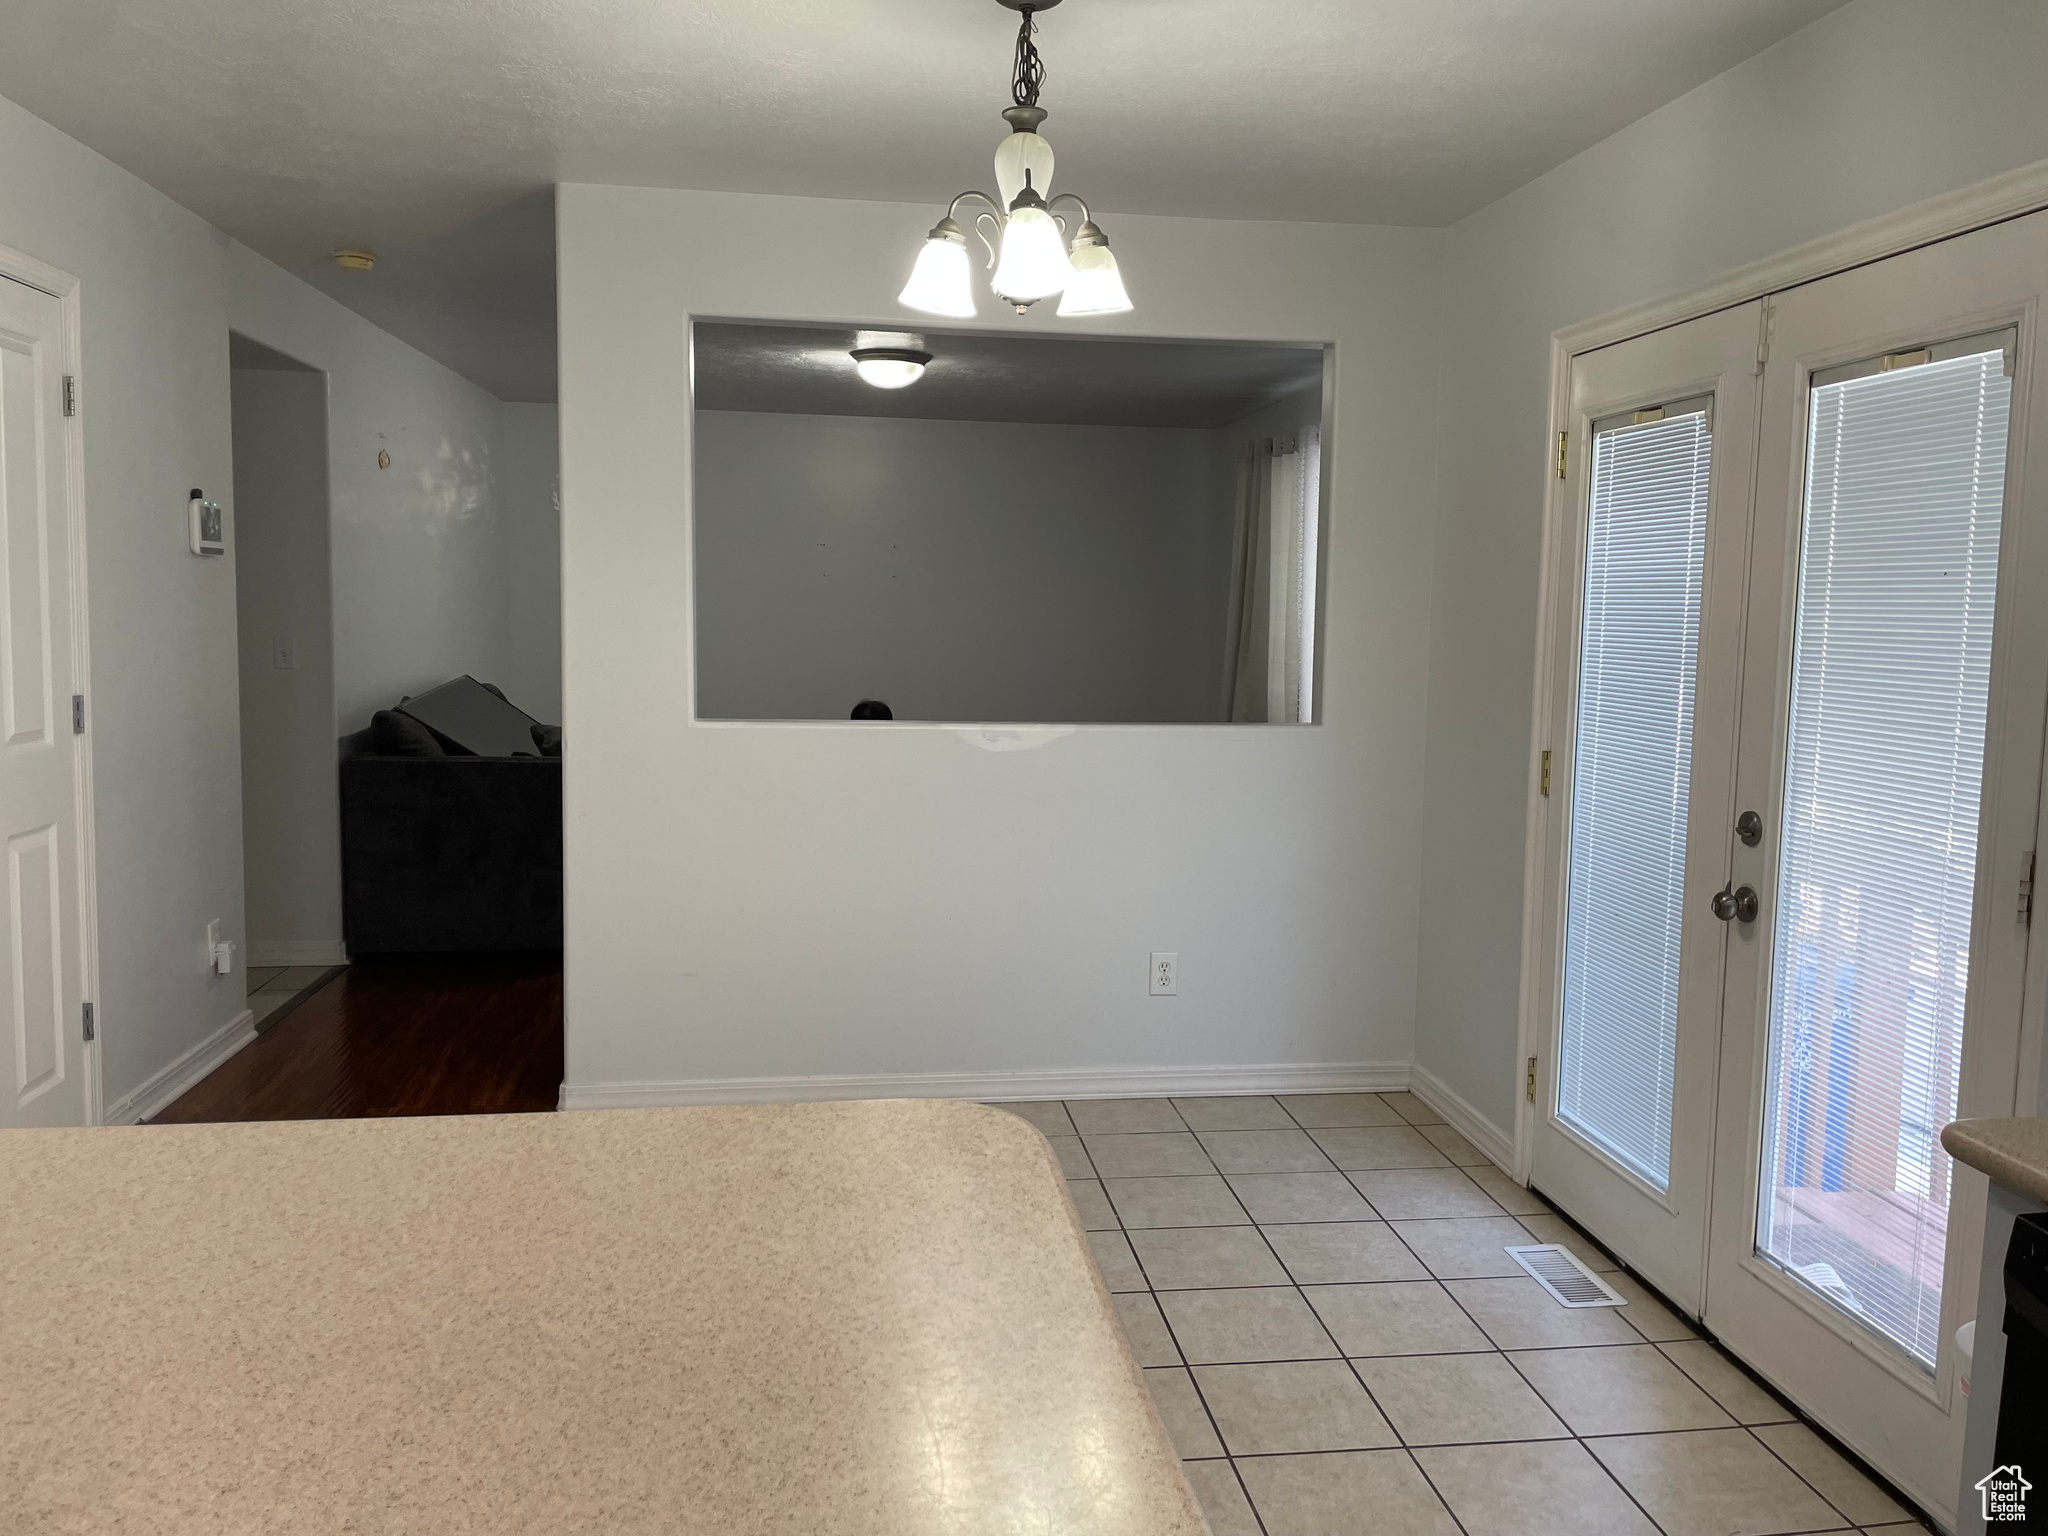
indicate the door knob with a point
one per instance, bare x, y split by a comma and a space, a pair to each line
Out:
1733, 903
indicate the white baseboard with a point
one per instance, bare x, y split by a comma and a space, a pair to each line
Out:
156, 1094
1463, 1118
296, 952
1084, 1083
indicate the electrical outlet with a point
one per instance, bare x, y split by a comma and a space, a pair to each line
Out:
1165, 973
284, 653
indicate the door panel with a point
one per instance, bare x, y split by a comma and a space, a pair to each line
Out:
1891, 726
37, 1011
24, 533
41, 960
1641, 764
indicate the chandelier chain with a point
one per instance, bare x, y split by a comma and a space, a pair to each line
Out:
1029, 75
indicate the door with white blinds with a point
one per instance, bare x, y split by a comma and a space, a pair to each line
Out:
1895, 678
1645, 676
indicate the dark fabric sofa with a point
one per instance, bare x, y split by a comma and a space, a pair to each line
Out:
449, 853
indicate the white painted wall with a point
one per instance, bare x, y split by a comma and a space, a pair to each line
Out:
956, 570
154, 409
419, 549
291, 823
529, 501
760, 901
1879, 104
417, 556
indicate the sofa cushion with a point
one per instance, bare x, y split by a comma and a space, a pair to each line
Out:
549, 739
474, 718
396, 734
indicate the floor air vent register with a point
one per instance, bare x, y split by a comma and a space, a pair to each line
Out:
1558, 1270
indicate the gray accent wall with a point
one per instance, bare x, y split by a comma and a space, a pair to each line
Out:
956, 570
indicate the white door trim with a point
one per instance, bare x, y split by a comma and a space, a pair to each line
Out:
2001, 197
62, 286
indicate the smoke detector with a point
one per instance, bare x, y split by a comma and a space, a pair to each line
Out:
355, 261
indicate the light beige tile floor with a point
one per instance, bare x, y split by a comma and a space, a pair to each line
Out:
1315, 1286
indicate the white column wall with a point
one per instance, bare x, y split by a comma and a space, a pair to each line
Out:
749, 904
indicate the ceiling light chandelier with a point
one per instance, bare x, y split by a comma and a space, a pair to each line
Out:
1026, 240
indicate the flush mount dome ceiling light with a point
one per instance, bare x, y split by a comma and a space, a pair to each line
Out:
889, 367
1026, 239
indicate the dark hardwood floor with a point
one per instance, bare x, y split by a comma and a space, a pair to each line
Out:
439, 1035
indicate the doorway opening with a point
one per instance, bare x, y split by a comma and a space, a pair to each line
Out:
291, 831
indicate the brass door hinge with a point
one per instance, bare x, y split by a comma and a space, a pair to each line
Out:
1544, 786
1562, 439
1530, 1088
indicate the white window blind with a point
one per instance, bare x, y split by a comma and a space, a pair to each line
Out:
1878, 858
1631, 774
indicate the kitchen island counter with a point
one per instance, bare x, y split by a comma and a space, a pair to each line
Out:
853, 1317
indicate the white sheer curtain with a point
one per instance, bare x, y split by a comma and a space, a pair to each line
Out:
1270, 650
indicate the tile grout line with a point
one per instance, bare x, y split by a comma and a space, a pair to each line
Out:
1301, 1290
1702, 1336
1578, 1439
1351, 1364
1400, 1439
1459, 1304
1772, 1451
1167, 1323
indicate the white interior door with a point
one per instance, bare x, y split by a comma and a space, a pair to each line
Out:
1896, 670
1647, 669
41, 961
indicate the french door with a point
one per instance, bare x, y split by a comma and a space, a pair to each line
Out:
1790, 942
1649, 658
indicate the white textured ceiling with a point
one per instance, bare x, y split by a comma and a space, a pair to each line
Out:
296, 125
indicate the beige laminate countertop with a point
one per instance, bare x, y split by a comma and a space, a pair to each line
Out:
866, 1317
2014, 1152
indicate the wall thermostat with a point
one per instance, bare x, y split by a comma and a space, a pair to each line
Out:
209, 535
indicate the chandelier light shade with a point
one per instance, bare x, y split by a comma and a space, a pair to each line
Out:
1020, 226
942, 282
1096, 288
1032, 263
